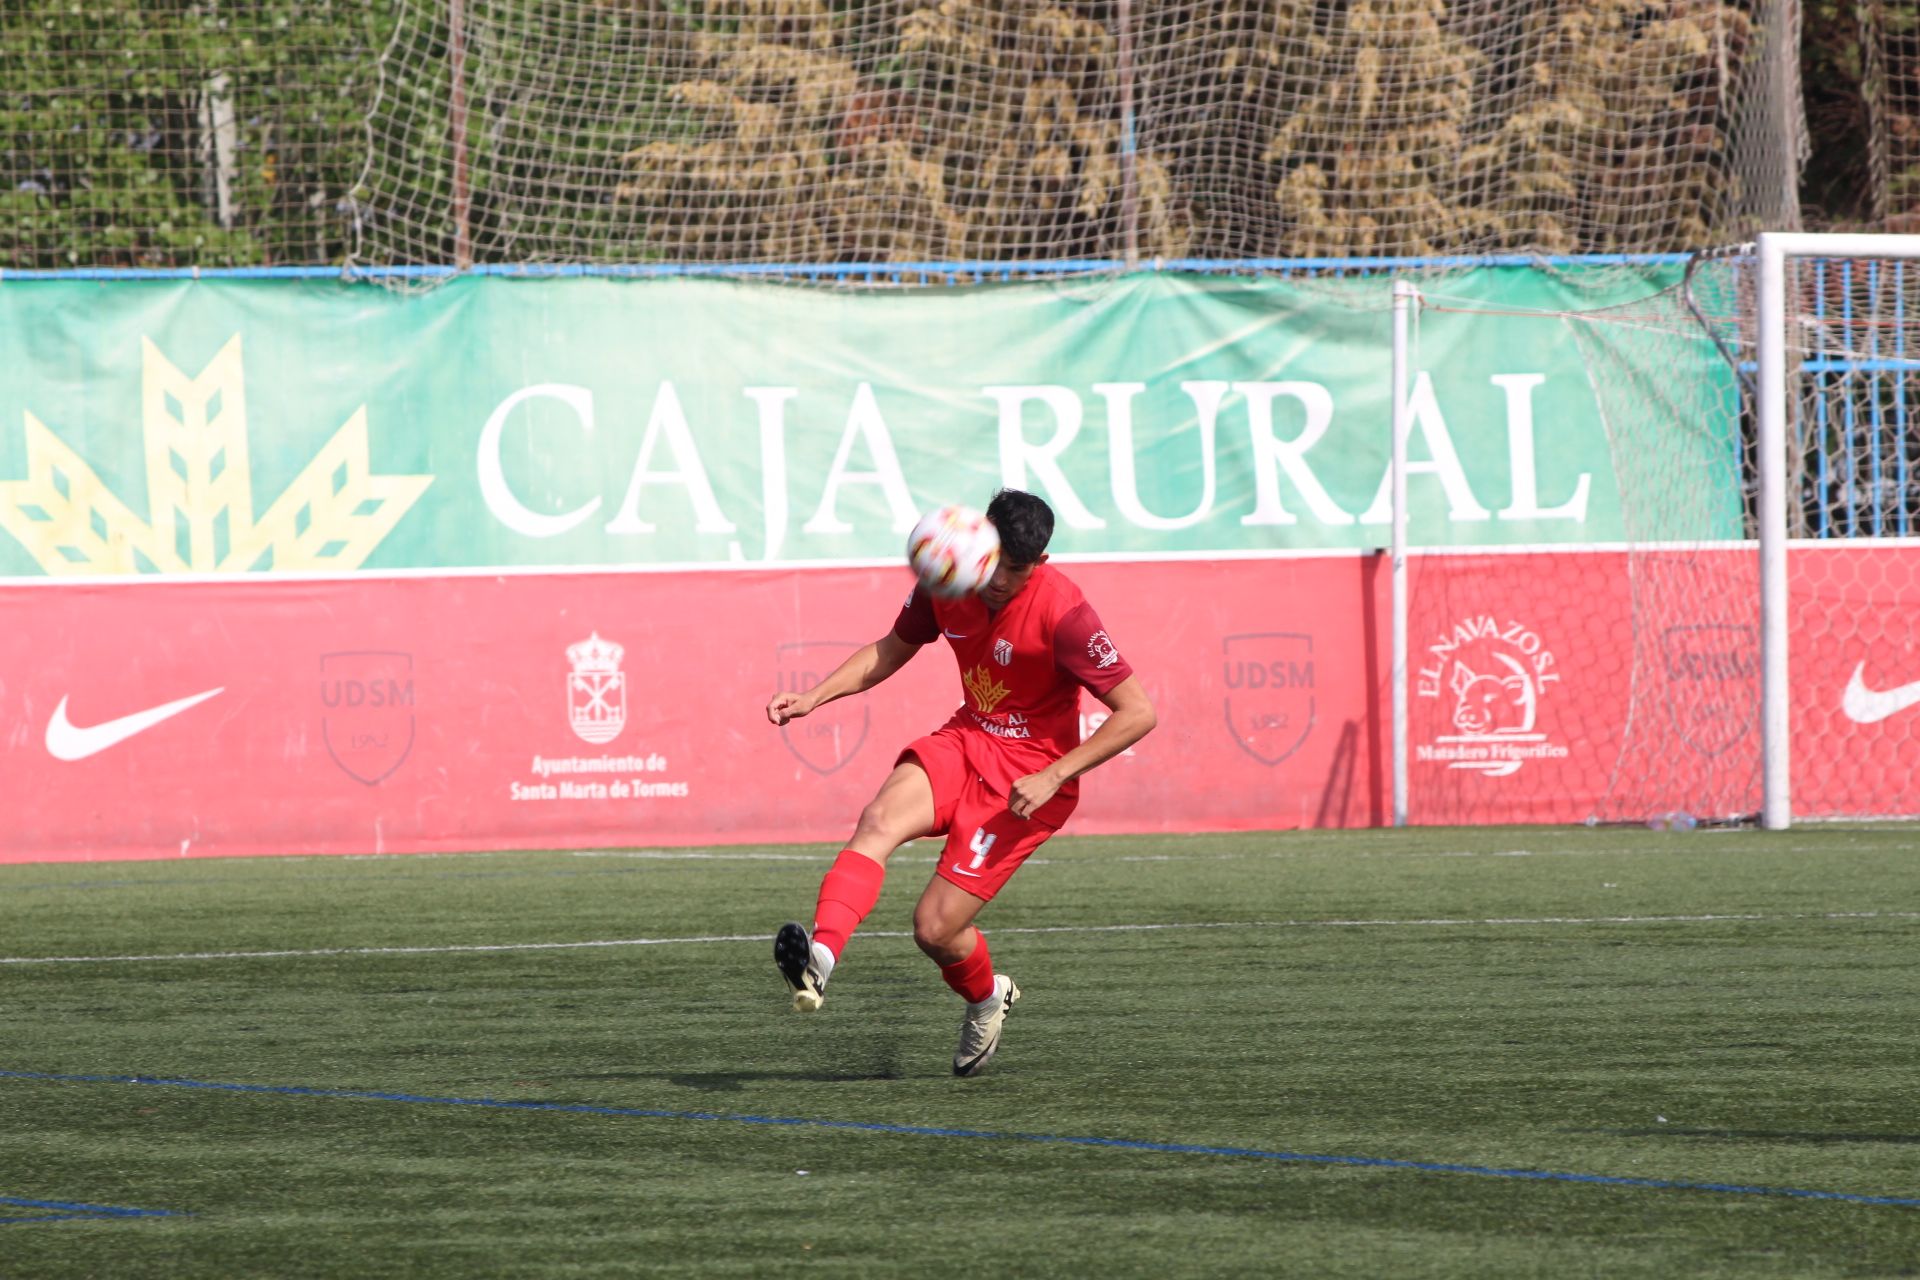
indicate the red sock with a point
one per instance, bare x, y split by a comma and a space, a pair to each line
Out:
851, 888
972, 977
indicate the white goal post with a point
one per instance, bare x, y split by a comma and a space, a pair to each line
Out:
1780, 324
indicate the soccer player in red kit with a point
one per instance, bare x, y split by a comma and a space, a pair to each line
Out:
997, 779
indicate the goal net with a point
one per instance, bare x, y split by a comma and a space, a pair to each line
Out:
1745, 645
1613, 678
1837, 352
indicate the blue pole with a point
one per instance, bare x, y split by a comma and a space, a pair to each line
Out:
1820, 408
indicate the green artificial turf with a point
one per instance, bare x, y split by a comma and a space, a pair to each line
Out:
1730, 1008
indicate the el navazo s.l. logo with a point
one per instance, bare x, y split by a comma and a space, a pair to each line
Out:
1489, 677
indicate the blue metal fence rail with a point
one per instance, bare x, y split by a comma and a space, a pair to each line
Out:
861, 272
1861, 448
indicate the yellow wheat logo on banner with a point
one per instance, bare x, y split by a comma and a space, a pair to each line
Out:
200, 490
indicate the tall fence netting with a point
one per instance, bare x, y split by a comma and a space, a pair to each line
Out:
1890, 43
761, 133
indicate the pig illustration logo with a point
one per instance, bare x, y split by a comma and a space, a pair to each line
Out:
1493, 703
1488, 677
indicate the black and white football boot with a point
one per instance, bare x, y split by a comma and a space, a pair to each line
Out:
980, 1029
804, 964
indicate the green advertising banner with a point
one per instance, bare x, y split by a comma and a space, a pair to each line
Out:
236, 426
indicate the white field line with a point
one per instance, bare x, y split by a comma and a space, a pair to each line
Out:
1302, 842
705, 939
693, 855
1306, 851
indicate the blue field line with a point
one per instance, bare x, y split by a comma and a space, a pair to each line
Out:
71, 1211
986, 1135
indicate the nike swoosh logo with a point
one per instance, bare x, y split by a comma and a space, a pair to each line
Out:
69, 741
1870, 706
959, 870
953, 635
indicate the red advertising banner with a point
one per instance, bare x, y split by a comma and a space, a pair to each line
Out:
448, 713
1558, 688
1855, 687
412, 714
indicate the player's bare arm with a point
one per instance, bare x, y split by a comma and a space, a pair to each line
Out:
864, 668
1131, 718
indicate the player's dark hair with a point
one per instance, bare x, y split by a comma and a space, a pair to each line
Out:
1025, 525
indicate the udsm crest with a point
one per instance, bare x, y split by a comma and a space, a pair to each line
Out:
833, 735
367, 713
596, 689
1270, 694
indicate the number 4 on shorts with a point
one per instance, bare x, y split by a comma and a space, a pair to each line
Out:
981, 844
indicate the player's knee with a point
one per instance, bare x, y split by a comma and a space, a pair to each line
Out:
879, 823
934, 934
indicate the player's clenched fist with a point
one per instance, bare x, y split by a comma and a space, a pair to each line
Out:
1030, 792
783, 707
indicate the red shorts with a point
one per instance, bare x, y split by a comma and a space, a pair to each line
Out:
986, 843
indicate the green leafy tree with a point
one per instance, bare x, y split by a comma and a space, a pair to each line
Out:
149, 134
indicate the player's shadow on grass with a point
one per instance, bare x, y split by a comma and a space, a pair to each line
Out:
737, 1081
1755, 1135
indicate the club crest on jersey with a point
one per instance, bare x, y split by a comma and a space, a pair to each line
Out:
596, 689
1003, 652
986, 692
1101, 649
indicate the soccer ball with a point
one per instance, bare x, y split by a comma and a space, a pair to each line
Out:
953, 550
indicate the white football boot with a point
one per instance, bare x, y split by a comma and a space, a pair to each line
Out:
980, 1030
805, 965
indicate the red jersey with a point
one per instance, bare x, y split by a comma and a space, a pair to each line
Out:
1021, 671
